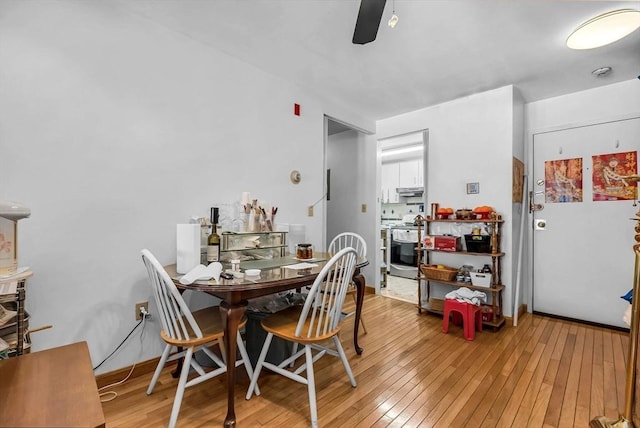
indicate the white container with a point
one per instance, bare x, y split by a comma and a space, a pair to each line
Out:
480, 279
188, 247
297, 235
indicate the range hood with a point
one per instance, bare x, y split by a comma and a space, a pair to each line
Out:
410, 191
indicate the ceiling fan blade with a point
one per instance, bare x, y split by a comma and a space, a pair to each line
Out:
368, 21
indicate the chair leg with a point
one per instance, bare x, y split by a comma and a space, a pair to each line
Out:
256, 372
311, 387
294, 349
245, 360
177, 401
161, 363
345, 361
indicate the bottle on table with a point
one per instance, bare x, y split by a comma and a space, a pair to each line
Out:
213, 241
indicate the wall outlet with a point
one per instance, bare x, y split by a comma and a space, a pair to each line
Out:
144, 305
310, 211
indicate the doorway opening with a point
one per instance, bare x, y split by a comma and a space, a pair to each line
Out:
402, 195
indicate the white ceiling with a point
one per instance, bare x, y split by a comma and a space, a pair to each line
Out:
439, 51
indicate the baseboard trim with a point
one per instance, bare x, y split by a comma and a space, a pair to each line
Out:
142, 368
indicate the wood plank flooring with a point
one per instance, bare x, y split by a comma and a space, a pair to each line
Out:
543, 373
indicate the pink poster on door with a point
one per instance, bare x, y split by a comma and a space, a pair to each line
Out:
612, 175
563, 180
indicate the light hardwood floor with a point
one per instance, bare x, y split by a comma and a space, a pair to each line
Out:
543, 373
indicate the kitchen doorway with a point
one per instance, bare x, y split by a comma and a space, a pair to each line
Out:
402, 195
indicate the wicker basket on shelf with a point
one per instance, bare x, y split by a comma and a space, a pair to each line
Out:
442, 273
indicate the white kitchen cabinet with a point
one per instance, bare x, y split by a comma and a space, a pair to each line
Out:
410, 173
390, 182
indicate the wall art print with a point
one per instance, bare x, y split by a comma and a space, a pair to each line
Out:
611, 173
563, 180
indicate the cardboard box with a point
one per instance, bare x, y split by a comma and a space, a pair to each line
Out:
428, 243
447, 243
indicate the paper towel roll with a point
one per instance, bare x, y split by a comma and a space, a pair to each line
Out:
188, 243
246, 198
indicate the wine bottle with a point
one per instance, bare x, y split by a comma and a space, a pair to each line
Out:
213, 241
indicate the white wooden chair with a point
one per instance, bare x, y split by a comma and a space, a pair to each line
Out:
311, 326
357, 242
188, 331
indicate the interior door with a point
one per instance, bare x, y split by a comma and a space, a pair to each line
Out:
582, 249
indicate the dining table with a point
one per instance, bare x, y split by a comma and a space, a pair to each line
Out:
277, 274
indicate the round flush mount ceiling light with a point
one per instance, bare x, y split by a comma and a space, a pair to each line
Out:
604, 29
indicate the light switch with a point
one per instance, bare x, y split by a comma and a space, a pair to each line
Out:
364, 208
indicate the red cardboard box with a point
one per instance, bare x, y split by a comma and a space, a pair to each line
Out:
447, 243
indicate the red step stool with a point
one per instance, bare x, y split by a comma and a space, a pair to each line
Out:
471, 317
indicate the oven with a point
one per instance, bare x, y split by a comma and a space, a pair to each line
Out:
403, 256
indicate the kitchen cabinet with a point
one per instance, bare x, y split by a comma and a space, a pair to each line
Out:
252, 245
14, 332
492, 310
410, 173
390, 181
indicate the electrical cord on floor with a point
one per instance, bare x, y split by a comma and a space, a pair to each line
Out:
112, 394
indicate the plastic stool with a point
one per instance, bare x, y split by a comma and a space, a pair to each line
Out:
471, 317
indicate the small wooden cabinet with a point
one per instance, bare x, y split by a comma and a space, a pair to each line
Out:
252, 245
493, 317
14, 332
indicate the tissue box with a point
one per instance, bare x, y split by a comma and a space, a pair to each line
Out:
447, 243
480, 279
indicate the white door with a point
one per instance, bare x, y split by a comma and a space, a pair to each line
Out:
582, 250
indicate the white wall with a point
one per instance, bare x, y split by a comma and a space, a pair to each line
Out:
351, 156
113, 130
603, 104
470, 140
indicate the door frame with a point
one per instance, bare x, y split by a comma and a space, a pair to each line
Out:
527, 291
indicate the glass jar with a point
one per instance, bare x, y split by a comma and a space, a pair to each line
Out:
304, 251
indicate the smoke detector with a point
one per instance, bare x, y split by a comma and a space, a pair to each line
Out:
602, 71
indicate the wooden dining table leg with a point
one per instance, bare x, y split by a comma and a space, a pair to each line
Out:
231, 316
359, 281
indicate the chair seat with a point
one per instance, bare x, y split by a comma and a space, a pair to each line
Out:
210, 323
283, 324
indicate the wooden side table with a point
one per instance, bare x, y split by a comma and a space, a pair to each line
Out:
54, 387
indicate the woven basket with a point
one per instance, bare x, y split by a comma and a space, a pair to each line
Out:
446, 274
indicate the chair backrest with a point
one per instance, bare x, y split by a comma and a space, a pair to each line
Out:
322, 309
349, 239
172, 309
